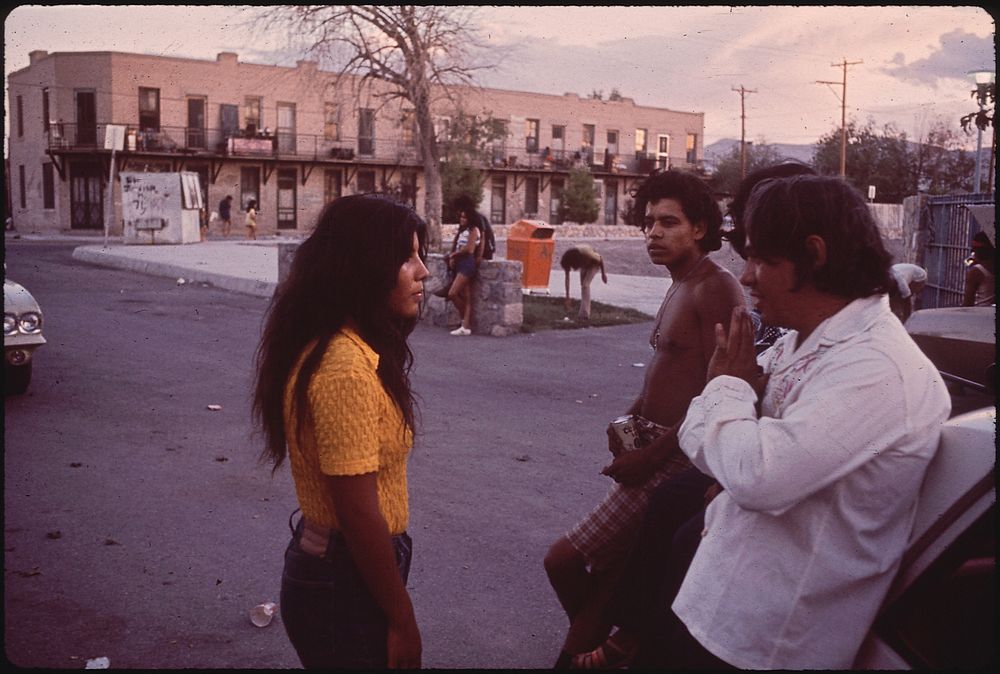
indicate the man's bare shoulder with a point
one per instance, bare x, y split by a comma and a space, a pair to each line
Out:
715, 281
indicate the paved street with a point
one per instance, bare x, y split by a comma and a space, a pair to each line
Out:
139, 525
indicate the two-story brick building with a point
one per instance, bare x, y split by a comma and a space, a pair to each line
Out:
294, 138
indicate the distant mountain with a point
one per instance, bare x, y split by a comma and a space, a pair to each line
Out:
722, 148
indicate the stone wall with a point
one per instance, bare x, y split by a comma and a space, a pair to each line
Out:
497, 308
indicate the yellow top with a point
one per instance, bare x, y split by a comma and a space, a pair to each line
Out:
357, 429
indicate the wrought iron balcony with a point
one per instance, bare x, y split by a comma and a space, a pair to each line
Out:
204, 143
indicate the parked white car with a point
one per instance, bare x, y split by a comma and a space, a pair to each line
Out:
22, 334
941, 610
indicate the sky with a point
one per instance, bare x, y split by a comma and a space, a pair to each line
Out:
912, 70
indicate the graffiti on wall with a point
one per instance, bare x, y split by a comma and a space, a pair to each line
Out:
144, 200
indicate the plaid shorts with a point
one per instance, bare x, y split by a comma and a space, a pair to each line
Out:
605, 536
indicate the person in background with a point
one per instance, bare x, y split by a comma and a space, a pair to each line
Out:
463, 261
226, 214
589, 262
908, 282
681, 220
250, 220
980, 282
332, 395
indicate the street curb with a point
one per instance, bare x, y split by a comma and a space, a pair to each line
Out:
100, 256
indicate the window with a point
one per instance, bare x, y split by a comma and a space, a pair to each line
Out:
366, 133
531, 135
20, 117
21, 188
442, 128
408, 126
286, 128
587, 144
45, 110
530, 197
498, 201
334, 185
251, 114
692, 148
640, 142
149, 109
366, 182
331, 121
48, 186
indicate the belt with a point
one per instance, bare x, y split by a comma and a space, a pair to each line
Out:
315, 538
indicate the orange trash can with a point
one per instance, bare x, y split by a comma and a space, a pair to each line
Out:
531, 242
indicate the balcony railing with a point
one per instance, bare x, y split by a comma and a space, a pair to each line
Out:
210, 143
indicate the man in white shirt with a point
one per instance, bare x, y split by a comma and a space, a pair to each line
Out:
820, 482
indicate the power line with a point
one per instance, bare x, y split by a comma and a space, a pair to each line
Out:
743, 128
843, 110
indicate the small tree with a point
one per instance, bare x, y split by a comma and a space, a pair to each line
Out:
464, 146
579, 199
879, 157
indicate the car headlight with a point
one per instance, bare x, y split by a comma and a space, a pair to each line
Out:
9, 324
30, 323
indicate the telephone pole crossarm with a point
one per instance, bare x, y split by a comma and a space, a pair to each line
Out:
843, 109
742, 91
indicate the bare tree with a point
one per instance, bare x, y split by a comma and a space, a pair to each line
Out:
418, 51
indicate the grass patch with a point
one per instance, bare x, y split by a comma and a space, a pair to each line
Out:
549, 313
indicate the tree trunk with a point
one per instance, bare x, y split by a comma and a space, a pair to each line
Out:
432, 171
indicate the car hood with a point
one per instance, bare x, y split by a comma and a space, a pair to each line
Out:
17, 299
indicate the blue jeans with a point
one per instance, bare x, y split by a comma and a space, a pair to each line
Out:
329, 614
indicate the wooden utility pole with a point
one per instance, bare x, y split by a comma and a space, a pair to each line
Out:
743, 128
843, 110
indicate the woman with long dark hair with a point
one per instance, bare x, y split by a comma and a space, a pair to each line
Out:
463, 262
333, 396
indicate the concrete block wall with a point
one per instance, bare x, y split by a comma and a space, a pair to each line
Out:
497, 307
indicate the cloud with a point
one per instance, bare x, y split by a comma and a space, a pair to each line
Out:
957, 53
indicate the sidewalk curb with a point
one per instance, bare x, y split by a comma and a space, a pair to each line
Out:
104, 257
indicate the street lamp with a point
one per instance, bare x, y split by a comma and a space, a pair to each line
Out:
983, 79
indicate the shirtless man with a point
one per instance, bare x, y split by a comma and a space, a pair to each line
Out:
682, 225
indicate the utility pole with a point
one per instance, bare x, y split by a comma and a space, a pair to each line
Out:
743, 128
843, 110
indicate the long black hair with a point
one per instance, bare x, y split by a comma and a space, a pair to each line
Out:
782, 213
344, 271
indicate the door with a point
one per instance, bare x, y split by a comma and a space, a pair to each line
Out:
196, 123
286, 128
610, 202
286, 198
86, 195
229, 120
663, 152
86, 118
